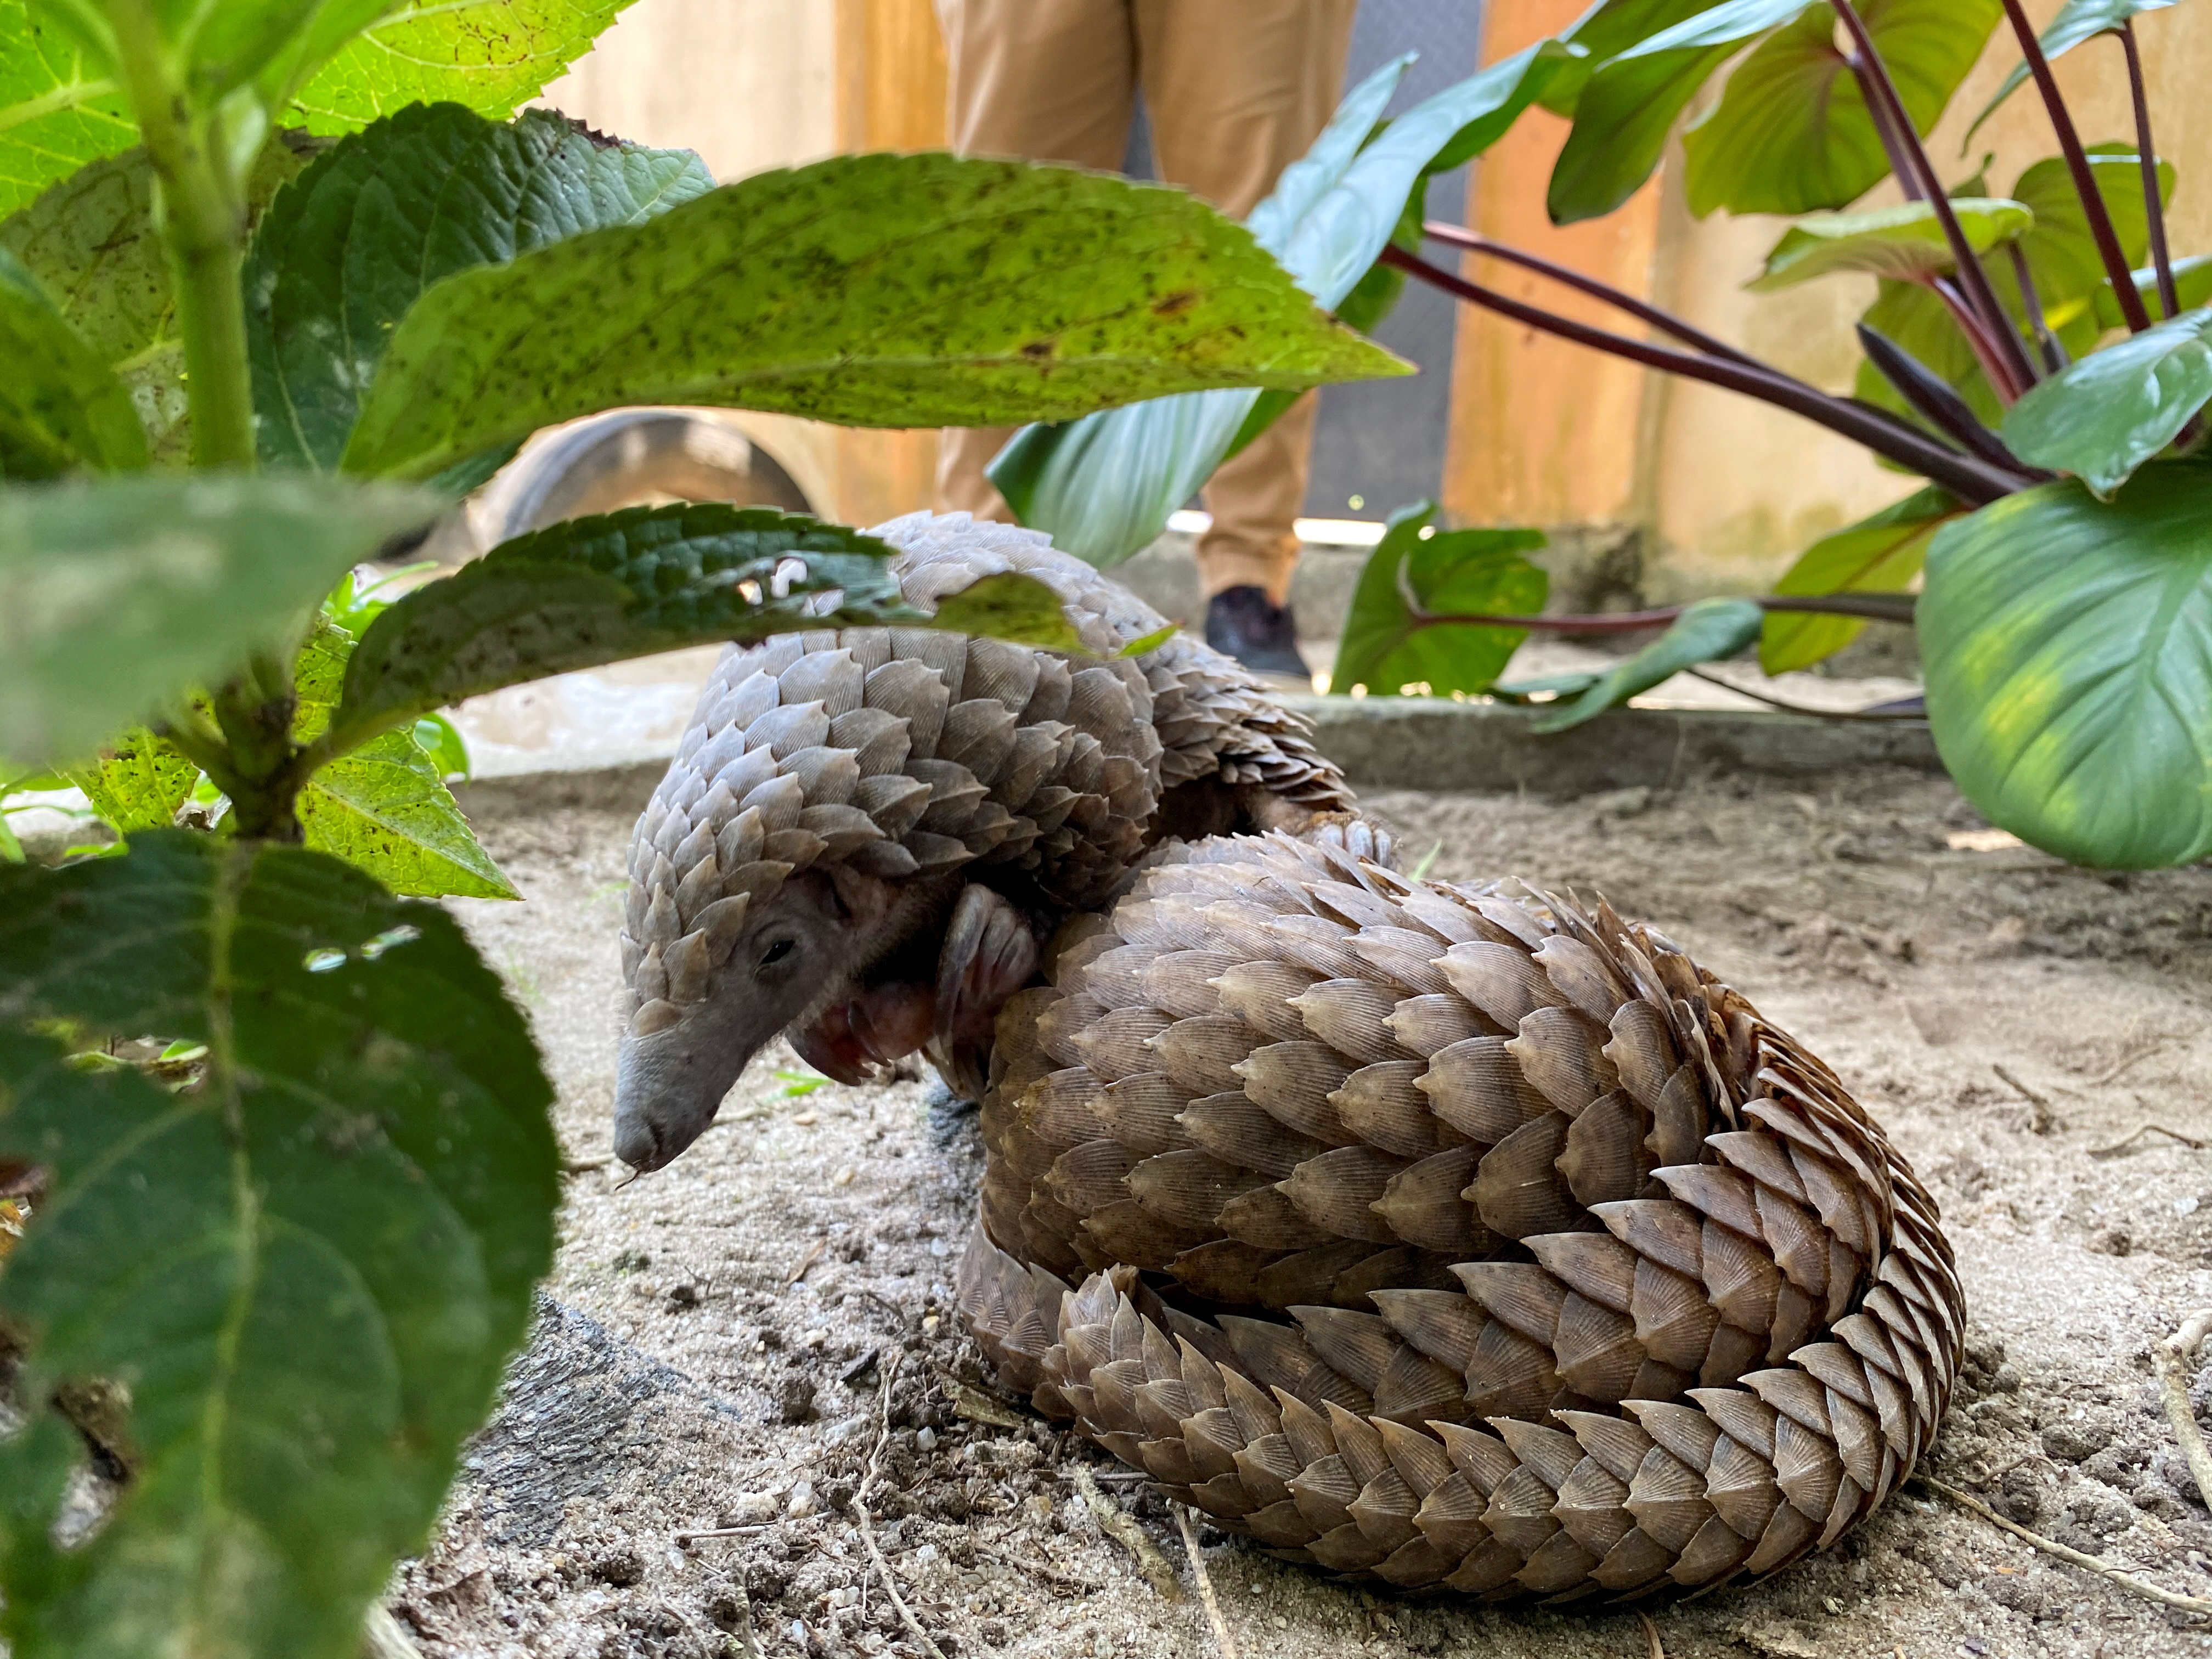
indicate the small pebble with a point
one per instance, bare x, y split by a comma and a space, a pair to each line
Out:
2185, 1206
929, 1326
802, 1503
843, 1177
814, 1338
807, 1119
925, 1437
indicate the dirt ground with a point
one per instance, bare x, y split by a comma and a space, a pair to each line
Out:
716, 1337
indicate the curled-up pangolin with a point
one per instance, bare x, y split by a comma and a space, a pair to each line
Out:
866, 833
1450, 1236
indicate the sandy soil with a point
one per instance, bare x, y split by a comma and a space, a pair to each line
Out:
716, 1337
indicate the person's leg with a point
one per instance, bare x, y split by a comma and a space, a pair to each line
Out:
1236, 93
1045, 81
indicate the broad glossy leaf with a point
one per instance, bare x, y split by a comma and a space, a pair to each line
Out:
2062, 255
344, 252
1706, 631
310, 1270
1878, 555
873, 290
1388, 644
1629, 105
138, 782
2193, 282
2077, 21
2069, 646
60, 409
1104, 486
115, 595
493, 55
2108, 414
58, 108
1904, 243
1790, 132
90, 240
592, 591
1603, 32
1011, 606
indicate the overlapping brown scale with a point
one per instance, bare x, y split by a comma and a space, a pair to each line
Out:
1703, 1314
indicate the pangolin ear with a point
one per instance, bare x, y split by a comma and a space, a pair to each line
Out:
855, 893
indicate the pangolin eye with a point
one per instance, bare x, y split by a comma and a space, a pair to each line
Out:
776, 952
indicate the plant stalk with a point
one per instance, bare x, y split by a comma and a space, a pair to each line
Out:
1869, 607
1970, 480
2055, 357
1994, 365
1887, 107
2077, 164
2147, 155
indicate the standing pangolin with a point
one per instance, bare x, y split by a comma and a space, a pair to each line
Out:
1450, 1235
866, 833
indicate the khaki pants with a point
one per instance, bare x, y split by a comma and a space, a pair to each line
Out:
1235, 90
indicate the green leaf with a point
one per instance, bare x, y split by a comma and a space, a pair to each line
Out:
1103, 486
115, 595
1878, 555
310, 1269
138, 782
89, 240
2069, 644
2062, 255
1009, 606
592, 591
1603, 32
58, 109
60, 409
344, 252
1147, 644
877, 290
1904, 243
1706, 631
2077, 21
1629, 108
2108, 414
442, 741
493, 56
258, 49
2193, 282
1790, 132
1389, 643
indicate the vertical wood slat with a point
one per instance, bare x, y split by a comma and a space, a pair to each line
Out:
890, 95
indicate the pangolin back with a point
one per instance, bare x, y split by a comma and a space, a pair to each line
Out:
1451, 1236
912, 751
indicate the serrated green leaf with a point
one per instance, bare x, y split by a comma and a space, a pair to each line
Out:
348, 249
1629, 104
58, 109
1790, 132
117, 595
2068, 644
1903, 243
311, 1268
2077, 21
2193, 282
592, 591
89, 240
493, 56
138, 782
1103, 486
1389, 644
1878, 554
60, 409
877, 290
2108, 414
1706, 631
1009, 605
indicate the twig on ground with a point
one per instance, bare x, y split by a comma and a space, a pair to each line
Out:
1052, 1576
859, 1510
1222, 1638
977, 1406
1114, 1521
806, 1263
685, 1539
383, 1637
585, 1165
1654, 1648
2174, 1357
2052, 1547
2121, 1145
2128, 1061
745, 1642
2045, 1119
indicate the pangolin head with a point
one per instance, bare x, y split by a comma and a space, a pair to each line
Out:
830, 789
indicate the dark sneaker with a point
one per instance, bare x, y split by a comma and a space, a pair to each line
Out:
1242, 622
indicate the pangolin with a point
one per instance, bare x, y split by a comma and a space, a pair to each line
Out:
1450, 1236
865, 833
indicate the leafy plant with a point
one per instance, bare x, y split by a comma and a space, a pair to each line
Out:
305, 248
2065, 627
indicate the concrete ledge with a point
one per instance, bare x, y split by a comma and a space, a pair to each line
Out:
1422, 742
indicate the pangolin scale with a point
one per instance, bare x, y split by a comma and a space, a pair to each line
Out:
1451, 1237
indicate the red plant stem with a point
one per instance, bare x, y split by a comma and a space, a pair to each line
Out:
2077, 163
1665, 321
2153, 210
2031, 304
1887, 107
1985, 352
1871, 607
1964, 476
